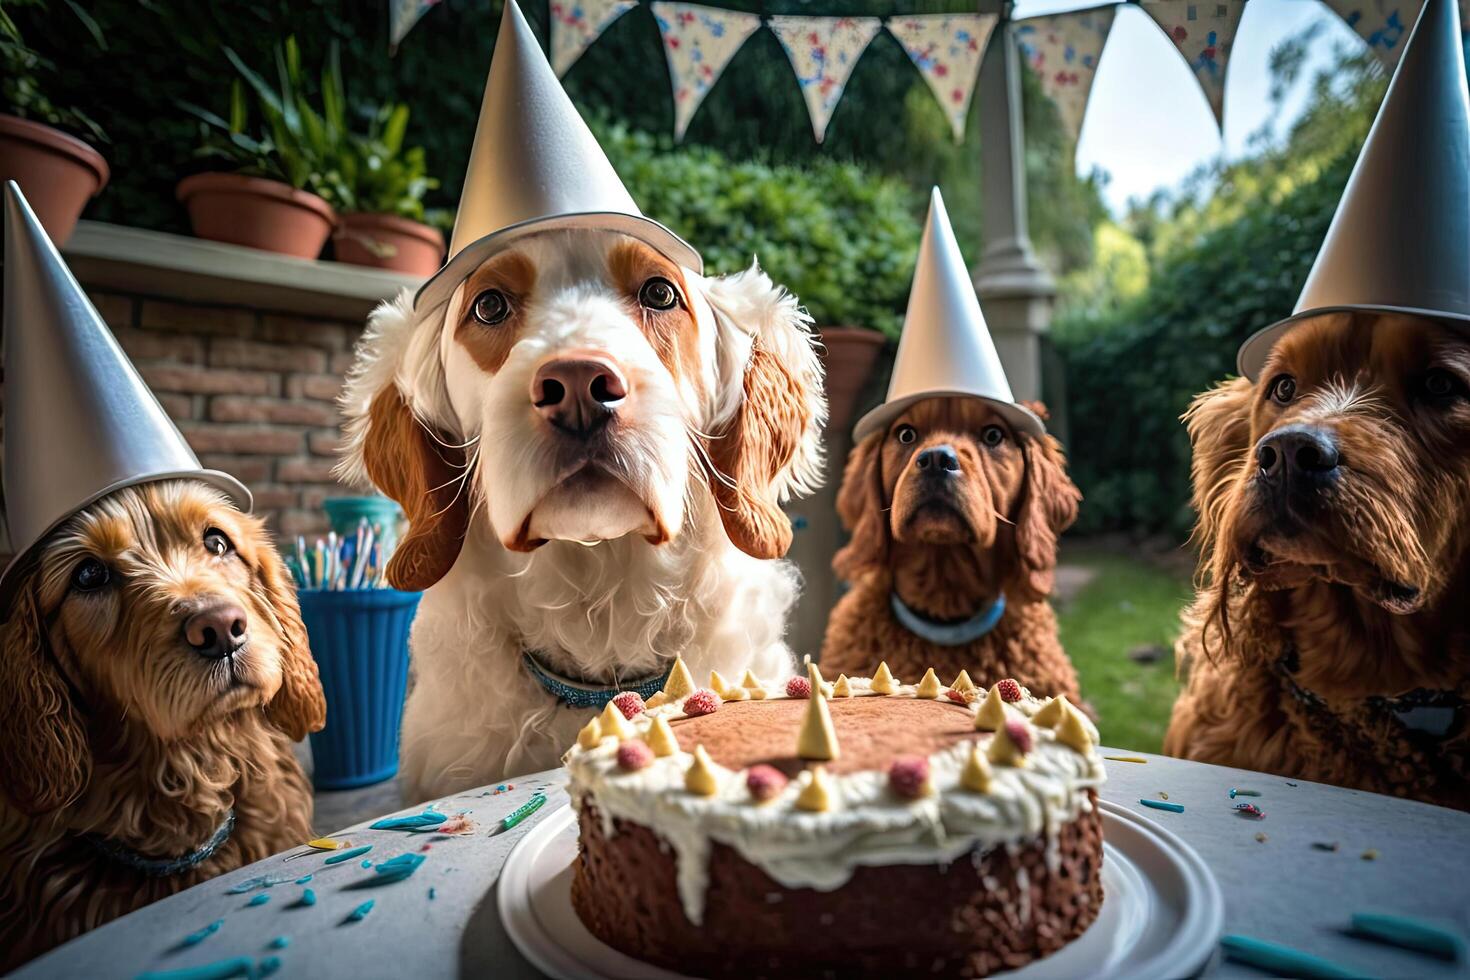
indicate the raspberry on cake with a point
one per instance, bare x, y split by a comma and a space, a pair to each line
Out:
751, 823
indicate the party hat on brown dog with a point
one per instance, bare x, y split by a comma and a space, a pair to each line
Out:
946, 348
79, 422
1400, 241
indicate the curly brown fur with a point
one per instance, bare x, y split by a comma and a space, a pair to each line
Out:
1351, 579
950, 545
112, 725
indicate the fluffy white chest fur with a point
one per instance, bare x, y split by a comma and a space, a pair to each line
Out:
592, 446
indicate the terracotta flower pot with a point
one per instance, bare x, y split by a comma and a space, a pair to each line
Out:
386, 241
851, 354
58, 173
257, 213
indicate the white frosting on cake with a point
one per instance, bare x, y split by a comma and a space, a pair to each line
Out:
867, 825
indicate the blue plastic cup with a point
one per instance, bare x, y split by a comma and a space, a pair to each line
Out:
359, 638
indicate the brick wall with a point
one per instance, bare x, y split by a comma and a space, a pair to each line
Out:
254, 393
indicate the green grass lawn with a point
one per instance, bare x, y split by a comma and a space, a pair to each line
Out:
1130, 602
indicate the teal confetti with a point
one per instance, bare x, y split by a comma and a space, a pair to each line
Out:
348, 854
1281, 960
360, 913
1161, 805
280, 942
268, 966
195, 938
240, 966
400, 867
308, 898
260, 899
1244, 792
1422, 937
367, 863
431, 894
304, 879
414, 821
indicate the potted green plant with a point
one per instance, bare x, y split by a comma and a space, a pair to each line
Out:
378, 188
272, 199
39, 145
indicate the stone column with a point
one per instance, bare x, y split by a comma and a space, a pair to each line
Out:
1015, 291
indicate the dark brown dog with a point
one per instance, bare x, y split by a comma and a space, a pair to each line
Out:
154, 673
949, 507
1330, 638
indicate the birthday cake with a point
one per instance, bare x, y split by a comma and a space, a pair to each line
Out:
856, 827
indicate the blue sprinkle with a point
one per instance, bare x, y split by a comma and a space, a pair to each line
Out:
268, 965
195, 938
308, 897
280, 942
260, 899
400, 867
304, 879
429, 818
348, 854
366, 863
240, 966
1161, 805
360, 913
431, 894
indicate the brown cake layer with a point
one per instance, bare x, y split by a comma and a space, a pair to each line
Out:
871, 731
965, 920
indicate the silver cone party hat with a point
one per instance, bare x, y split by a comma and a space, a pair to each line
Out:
79, 422
1400, 241
535, 166
945, 348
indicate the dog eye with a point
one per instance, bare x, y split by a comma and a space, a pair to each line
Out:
216, 543
658, 294
1283, 388
90, 575
491, 307
993, 435
907, 434
1441, 384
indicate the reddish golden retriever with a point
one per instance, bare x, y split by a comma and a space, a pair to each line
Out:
1330, 638
950, 507
154, 673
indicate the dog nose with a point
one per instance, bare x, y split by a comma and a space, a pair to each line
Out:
578, 394
1297, 452
217, 631
938, 459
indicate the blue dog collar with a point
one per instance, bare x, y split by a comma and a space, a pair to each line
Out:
948, 634
576, 694
163, 867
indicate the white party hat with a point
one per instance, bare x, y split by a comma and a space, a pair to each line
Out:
945, 348
534, 167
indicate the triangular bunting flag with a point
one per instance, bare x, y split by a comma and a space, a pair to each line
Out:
1203, 31
698, 42
823, 52
1063, 50
947, 48
575, 24
402, 16
1384, 24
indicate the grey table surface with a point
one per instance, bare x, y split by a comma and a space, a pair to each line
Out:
1281, 889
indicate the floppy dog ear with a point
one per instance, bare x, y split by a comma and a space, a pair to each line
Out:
299, 707
1219, 424
860, 505
47, 761
765, 444
1048, 507
409, 459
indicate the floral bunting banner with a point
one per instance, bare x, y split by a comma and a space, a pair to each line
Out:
698, 42
946, 48
1203, 31
1063, 50
575, 24
402, 15
823, 52
1385, 24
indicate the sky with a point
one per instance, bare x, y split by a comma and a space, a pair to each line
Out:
1148, 124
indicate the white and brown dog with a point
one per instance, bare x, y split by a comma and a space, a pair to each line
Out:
591, 445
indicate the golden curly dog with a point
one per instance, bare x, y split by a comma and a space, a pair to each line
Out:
948, 508
1330, 638
154, 673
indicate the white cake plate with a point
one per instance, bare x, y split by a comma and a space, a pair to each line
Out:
1162, 910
